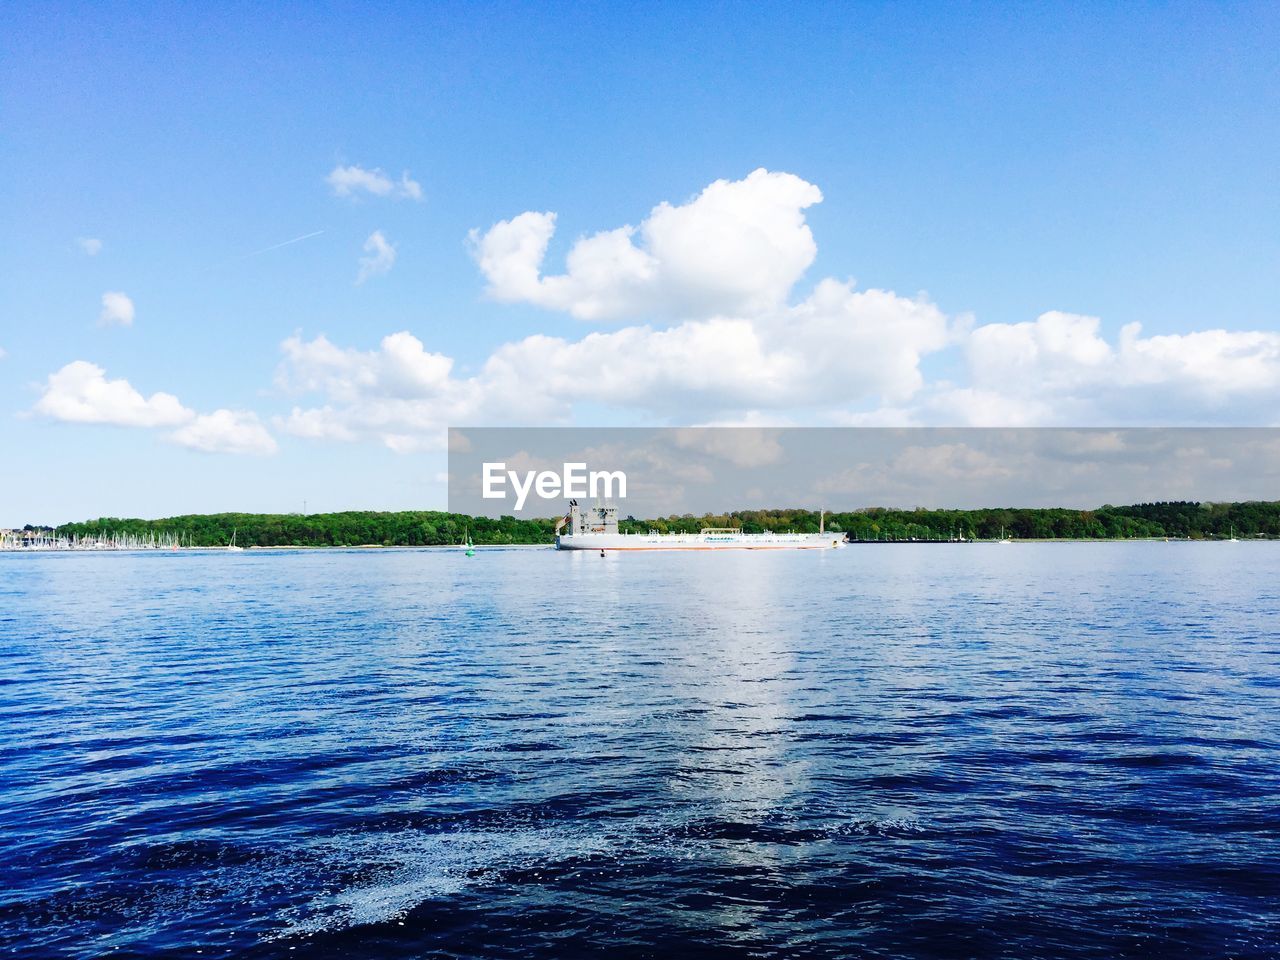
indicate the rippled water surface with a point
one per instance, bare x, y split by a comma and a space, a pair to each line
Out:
1055, 750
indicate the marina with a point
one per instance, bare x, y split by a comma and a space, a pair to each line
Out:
45, 541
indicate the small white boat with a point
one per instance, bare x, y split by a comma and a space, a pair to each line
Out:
232, 544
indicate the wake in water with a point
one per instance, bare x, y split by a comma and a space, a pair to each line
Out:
406, 869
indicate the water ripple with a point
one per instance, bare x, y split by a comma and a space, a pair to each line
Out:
1020, 753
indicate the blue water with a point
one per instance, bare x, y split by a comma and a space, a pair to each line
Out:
1022, 751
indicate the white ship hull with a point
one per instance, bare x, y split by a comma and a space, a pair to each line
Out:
698, 541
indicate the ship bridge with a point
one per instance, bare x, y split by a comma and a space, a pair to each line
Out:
591, 520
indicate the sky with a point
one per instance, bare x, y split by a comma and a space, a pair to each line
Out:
261, 258
665, 471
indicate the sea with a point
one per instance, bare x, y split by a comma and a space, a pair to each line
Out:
1027, 750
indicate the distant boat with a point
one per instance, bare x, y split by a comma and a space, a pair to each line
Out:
467, 546
1003, 538
1232, 538
232, 544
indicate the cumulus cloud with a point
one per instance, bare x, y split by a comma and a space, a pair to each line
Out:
395, 392
841, 356
354, 180
400, 368
90, 245
725, 339
727, 342
916, 472
379, 257
738, 247
1060, 370
744, 447
226, 431
725, 264
839, 345
117, 309
81, 393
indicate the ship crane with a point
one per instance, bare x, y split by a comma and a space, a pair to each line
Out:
565, 519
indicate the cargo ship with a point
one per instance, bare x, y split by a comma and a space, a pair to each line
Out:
596, 528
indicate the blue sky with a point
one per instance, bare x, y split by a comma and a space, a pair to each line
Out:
1027, 168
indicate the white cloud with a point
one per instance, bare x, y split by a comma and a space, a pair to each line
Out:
401, 368
353, 180
726, 340
81, 393
738, 247
393, 393
1060, 369
90, 245
725, 264
738, 347
836, 347
321, 423
917, 468
378, 259
116, 309
840, 356
744, 447
1217, 364
226, 431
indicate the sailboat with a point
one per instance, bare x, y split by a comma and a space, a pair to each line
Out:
1232, 538
466, 545
232, 544
1003, 538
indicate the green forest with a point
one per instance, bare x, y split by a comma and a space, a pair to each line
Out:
1182, 519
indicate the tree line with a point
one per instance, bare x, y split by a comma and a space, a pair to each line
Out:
421, 528
353, 528
1179, 519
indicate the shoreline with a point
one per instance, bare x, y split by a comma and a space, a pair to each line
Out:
447, 548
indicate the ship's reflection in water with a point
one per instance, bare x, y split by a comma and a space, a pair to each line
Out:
1056, 750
